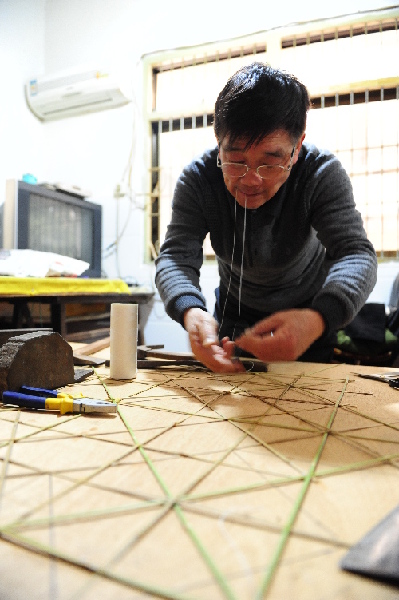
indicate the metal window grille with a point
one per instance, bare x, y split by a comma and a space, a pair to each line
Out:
350, 68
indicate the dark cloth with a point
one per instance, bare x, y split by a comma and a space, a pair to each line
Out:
370, 334
369, 324
393, 322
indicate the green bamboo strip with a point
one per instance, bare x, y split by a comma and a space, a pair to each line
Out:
74, 486
358, 465
249, 521
281, 481
170, 505
354, 437
370, 418
202, 550
310, 423
292, 479
39, 430
232, 420
213, 463
87, 513
305, 390
188, 499
258, 423
136, 538
153, 386
6, 460
297, 506
66, 435
270, 449
252, 435
196, 413
315, 426
201, 400
45, 550
358, 443
251, 419
157, 518
329, 367
242, 489
62, 435
82, 517
291, 413
296, 417
174, 411
71, 469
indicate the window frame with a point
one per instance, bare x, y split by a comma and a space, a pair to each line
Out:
272, 43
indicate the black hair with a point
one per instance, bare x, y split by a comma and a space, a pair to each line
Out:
257, 100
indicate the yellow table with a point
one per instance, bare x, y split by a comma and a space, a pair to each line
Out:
60, 291
203, 486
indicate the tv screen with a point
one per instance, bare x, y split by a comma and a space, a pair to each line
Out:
37, 218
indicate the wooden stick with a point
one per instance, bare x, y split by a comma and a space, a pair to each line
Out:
95, 346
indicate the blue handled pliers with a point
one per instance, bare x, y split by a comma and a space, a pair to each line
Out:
30, 397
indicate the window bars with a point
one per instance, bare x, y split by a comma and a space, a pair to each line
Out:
349, 65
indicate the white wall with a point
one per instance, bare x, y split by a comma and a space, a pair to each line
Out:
45, 36
22, 37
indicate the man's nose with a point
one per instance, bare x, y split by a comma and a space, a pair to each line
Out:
252, 175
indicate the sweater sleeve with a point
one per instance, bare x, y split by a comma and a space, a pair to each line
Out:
181, 256
350, 256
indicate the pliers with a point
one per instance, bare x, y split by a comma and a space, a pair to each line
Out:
31, 397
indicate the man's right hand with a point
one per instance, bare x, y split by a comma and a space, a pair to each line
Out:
202, 331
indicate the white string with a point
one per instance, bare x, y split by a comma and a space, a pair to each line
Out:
242, 257
231, 264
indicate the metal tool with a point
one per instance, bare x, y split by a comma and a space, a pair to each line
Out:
376, 555
152, 357
391, 378
41, 398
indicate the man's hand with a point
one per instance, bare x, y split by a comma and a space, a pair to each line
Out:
202, 331
283, 336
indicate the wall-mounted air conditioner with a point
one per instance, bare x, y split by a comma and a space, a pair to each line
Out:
76, 93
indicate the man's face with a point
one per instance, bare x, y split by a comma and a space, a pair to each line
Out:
251, 190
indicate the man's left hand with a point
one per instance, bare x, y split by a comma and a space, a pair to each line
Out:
283, 336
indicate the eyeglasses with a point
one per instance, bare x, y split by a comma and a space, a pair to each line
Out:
264, 171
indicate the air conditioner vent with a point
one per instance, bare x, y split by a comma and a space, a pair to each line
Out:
61, 96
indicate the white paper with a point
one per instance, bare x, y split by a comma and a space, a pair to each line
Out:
34, 263
123, 343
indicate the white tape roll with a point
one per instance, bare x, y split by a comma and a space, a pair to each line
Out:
123, 345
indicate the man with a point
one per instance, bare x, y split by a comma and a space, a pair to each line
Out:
294, 261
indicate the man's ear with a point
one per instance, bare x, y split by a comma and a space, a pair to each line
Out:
298, 148
301, 140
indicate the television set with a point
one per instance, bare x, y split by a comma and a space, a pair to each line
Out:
36, 217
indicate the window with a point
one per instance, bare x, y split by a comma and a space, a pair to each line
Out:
350, 69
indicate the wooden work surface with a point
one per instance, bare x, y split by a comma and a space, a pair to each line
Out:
202, 487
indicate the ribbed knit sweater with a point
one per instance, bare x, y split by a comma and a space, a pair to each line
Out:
306, 244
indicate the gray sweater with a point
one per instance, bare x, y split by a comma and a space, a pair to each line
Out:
306, 244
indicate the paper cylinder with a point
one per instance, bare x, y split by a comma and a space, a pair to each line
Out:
123, 344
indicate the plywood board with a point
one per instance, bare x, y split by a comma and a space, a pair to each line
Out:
203, 486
